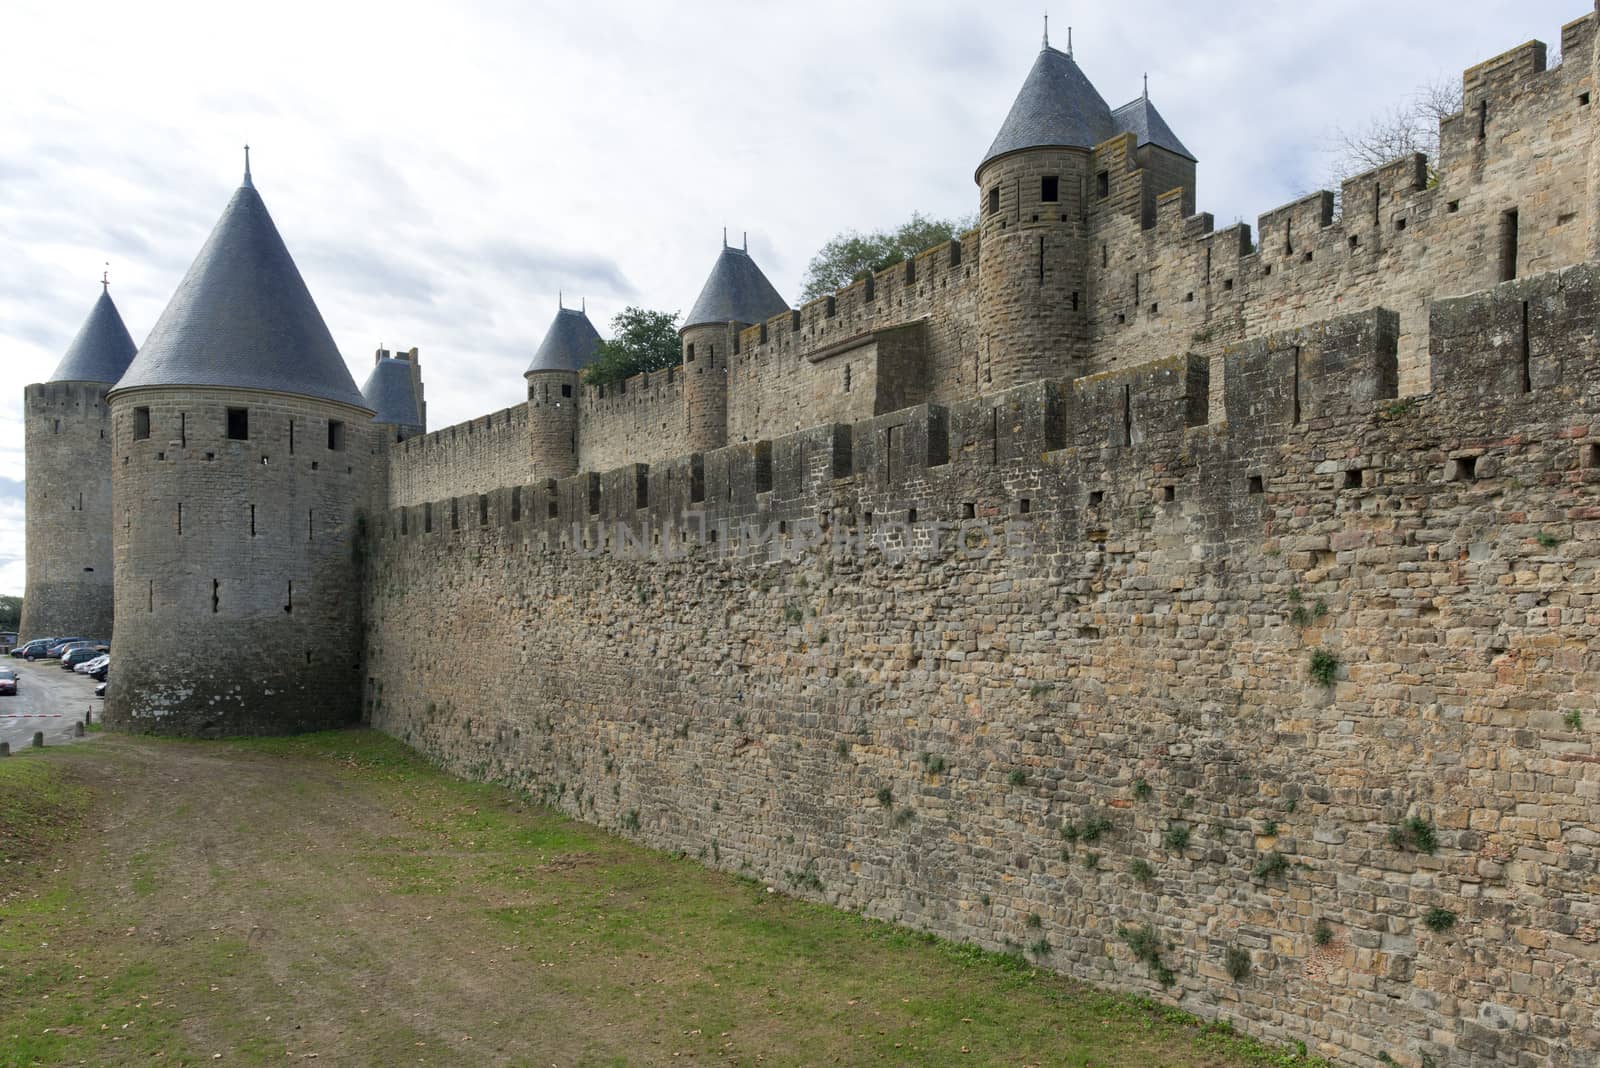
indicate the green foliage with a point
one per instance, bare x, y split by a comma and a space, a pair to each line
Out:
1273, 863
1091, 860
885, 796
1141, 871
904, 816
1269, 829
1034, 920
1146, 946
1040, 948
630, 820
851, 255
10, 613
805, 880
1238, 964
1415, 834
1039, 689
1439, 919
1090, 830
1142, 789
793, 613
1176, 837
1018, 778
1548, 540
1573, 719
642, 340
933, 765
1324, 667
1322, 934
1399, 408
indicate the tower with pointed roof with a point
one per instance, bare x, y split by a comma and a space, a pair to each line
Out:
1040, 192
393, 390
67, 443
568, 347
736, 295
240, 473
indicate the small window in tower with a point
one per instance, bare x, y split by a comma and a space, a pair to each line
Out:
239, 424
566, 389
141, 424
516, 504
1583, 100
689, 355
1102, 184
1050, 189
335, 435
994, 201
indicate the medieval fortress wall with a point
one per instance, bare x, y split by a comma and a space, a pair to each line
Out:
1194, 592
1113, 722
1148, 599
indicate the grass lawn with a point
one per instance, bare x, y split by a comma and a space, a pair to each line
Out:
332, 897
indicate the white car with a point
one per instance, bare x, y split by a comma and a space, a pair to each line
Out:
89, 667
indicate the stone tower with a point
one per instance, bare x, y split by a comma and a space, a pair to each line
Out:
394, 393
240, 460
736, 295
1039, 190
568, 347
68, 451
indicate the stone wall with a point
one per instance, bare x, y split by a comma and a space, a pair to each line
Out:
641, 419
1404, 234
67, 441
1088, 705
491, 450
239, 561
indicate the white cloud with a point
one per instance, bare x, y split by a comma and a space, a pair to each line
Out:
441, 171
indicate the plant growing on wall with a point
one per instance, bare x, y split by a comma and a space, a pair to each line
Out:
1324, 667
1414, 834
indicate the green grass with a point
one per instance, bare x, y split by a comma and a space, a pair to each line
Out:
335, 894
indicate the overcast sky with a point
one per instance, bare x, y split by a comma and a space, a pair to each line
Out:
441, 171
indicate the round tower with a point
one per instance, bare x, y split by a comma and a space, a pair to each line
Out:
1034, 189
240, 460
394, 393
736, 295
568, 347
67, 443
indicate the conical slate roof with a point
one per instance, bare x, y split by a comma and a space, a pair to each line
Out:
1056, 106
102, 350
1140, 118
243, 318
736, 292
568, 345
391, 393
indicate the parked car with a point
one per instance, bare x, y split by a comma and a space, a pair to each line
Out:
99, 674
79, 654
89, 667
57, 647
31, 649
8, 681
100, 690
56, 652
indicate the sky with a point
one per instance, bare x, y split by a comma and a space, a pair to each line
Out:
442, 171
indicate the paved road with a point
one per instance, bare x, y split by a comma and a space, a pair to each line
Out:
51, 700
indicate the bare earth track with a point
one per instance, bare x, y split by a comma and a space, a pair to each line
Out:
333, 898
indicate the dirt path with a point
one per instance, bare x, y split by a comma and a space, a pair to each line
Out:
332, 899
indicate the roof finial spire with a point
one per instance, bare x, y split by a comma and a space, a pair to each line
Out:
105, 277
583, 305
1046, 42
247, 167
561, 302
1147, 85
747, 240
724, 237
1069, 42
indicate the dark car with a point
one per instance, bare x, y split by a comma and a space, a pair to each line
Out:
55, 648
8, 681
100, 675
61, 649
33, 648
100, 690
78, 654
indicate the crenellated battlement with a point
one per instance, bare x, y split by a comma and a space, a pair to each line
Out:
1104, 432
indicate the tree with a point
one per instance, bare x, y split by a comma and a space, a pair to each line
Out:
851, 255
1396, 134
642, 340
10, 612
